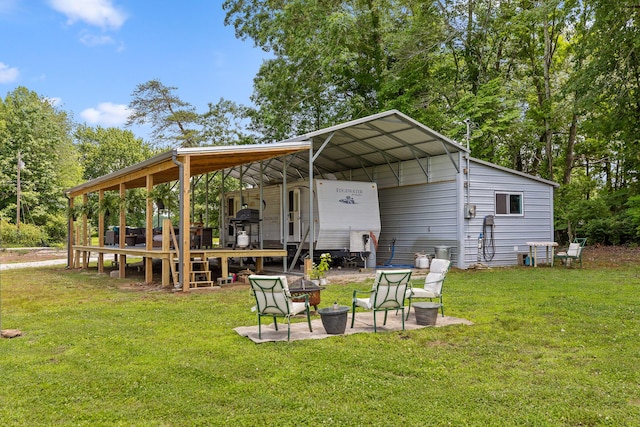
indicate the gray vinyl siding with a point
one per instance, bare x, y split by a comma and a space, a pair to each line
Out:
511, 232
418, 217
422, 216
413, 172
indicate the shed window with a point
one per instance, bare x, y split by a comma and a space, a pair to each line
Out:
509, 204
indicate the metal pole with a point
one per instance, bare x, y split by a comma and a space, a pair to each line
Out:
18, 193
312, 235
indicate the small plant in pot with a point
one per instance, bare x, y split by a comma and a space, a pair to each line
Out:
319, 270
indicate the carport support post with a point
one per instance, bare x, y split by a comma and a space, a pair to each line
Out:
312, 228
261, 206
285, 212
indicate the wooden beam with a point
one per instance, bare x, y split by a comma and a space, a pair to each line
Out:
138, 177
122, 232
100, 230
185, 232
70, 226
85, 230
148, 262
202, 161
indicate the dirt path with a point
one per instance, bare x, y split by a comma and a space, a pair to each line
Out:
594, 257
20, 255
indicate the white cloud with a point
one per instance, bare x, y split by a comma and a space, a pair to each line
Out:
93, 40
107, 114
100, 13
8, 74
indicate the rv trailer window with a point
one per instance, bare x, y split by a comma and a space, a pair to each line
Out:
231, 206
509, 204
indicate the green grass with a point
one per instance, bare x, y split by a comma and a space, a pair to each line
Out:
549, 347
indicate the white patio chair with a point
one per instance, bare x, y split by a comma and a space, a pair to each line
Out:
387, 293
274, 299
432, 288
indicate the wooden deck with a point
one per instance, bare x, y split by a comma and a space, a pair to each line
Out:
82, 255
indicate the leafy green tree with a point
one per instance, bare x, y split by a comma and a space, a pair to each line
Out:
174, 121
610, 83
32, 126
328, 65
225, 123
106, 150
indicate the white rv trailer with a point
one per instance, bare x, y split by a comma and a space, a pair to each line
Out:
346, 217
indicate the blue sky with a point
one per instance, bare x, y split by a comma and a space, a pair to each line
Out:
89, 55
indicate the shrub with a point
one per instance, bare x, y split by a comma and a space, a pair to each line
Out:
56, 228
28, 236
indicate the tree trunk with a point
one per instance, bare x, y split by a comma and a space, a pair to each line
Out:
570, 155
547, 96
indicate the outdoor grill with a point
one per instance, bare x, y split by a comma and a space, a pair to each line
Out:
247, 215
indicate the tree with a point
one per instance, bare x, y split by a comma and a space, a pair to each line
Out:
225, 124
32, 126
610, 85
174, 121
106, 150
328, 65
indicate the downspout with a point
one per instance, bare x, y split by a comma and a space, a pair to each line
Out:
180, 165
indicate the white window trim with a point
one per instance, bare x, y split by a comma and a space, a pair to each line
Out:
509, 193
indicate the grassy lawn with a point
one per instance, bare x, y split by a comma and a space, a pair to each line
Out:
549, 347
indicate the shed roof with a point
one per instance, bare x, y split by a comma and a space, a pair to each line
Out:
515, 172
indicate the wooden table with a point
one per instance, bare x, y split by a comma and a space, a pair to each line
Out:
533, 251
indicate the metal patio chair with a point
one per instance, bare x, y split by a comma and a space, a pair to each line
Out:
388, 293
573, 253
273, 299
432, 288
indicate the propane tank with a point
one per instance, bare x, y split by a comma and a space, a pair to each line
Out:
243, 239
422, 261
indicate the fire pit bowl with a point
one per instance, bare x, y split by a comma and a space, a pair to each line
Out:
311, 290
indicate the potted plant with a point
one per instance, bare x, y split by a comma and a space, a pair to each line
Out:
319, 270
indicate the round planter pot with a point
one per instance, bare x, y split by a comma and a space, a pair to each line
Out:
426, 312
334, 320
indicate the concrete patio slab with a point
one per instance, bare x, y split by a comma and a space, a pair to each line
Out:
363, 324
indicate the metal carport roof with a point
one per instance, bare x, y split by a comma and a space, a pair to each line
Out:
380, 139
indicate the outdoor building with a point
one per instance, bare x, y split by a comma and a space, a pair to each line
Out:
433, 198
